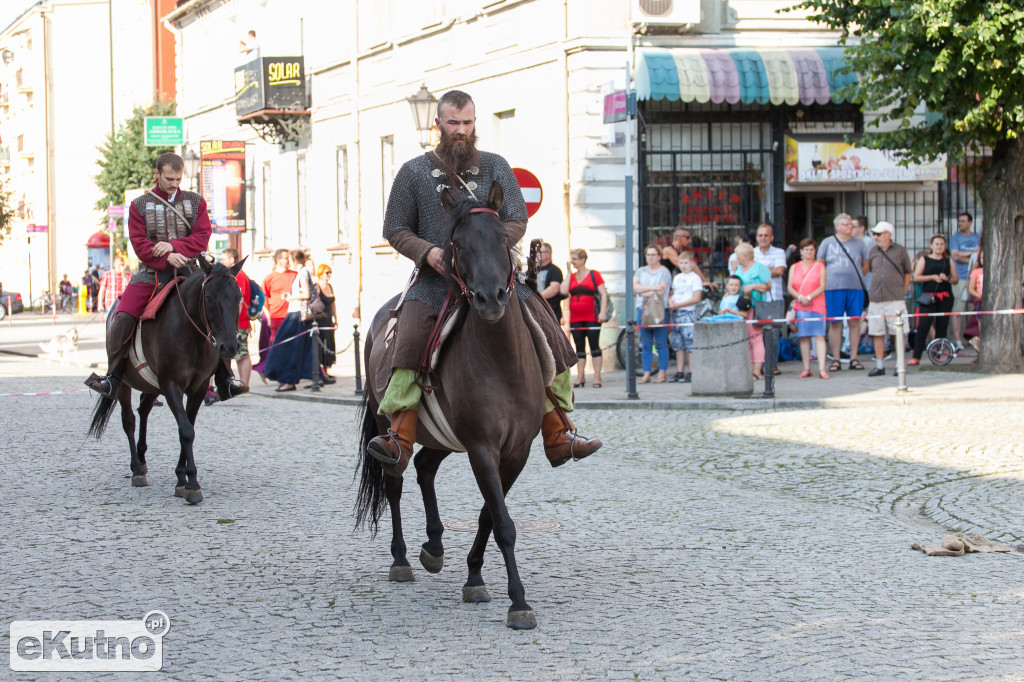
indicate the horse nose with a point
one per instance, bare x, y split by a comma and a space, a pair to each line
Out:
227, 350
502, 296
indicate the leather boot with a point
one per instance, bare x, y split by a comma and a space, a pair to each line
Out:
394, 449
561, 440
118, 335
227, 385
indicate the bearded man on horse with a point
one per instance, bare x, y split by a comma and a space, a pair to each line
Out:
168, 227
417, 226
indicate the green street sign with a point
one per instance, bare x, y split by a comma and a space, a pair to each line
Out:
164, 131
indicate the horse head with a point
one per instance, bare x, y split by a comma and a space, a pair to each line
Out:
481, 258
221, 304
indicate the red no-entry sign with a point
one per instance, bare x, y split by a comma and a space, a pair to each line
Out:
532, 193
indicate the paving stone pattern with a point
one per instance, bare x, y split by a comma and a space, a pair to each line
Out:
708, 545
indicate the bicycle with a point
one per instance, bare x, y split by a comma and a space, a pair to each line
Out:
43, 303
941, 352
708, 307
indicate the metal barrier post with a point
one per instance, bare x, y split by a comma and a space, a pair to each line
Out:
771, 355
315, 369
630, 357
53, 306
359, 373
901, 351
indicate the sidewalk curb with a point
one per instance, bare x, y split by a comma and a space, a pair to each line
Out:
752, 404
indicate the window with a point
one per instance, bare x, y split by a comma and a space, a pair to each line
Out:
267, 235
387, 166
342, 189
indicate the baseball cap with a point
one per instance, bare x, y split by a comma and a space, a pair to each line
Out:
884, 226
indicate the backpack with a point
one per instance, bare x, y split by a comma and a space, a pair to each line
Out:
256, 300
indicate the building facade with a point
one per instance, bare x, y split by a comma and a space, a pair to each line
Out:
726, 89
56, 107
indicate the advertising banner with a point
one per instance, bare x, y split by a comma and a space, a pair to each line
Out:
222, 183
270, 83
838, 162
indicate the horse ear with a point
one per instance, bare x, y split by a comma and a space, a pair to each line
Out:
237, 267
204, 264
497, 196
447, 200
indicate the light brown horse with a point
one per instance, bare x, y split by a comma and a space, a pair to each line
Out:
490, 388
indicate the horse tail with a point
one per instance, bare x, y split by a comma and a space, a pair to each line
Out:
531, 264
100, 416
371, 499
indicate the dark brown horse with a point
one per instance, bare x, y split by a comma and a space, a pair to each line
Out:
183, 345
491, 389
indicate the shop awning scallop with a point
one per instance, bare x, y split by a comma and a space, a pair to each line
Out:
742, 75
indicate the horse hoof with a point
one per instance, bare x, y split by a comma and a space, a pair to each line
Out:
432, 563
475, 594
194, 496
521, 620
139, 481
401, 574
179, 491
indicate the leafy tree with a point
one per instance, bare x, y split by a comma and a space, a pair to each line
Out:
126, 162
964, 61
6, 213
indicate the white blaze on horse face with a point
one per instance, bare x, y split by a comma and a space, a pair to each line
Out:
459, 124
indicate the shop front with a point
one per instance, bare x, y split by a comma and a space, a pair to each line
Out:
732, 138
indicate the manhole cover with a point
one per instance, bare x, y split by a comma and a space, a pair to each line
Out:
522, 525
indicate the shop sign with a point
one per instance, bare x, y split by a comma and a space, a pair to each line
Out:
838, 162
270, 83
222, 183
709, 205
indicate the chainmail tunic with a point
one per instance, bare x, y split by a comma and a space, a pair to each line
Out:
415, 205
164, 225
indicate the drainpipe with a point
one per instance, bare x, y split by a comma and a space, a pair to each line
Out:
52, 227
359, 167
567, 182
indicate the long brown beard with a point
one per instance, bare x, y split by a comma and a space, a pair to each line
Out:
459, 157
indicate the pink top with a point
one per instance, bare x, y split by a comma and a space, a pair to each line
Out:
805, 281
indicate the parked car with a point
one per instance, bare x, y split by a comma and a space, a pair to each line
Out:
10, 303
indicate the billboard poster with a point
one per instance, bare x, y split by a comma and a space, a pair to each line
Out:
838, 162
222, 183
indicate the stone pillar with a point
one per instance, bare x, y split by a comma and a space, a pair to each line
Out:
721, 359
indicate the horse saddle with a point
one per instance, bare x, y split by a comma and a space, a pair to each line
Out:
159, 298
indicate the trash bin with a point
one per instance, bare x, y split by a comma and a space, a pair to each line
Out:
721, 359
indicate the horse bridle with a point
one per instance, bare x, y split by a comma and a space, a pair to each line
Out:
466, 291
202, 310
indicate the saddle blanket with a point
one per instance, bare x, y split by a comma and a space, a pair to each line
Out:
159, 298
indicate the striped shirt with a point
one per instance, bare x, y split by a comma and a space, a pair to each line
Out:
888, 279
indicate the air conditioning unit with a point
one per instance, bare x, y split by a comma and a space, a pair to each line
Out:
662, 12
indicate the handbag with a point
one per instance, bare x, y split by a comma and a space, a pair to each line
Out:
652, 311
610, 310
925, 298
313, 307
745, 302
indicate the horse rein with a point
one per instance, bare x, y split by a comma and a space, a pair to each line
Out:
466, 291
208, 334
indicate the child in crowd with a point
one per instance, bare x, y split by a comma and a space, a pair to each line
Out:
975, 284
730, 302
687, 289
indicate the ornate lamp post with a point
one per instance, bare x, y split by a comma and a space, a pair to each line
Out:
423, 104
192, 168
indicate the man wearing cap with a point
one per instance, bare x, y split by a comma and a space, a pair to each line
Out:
891, 272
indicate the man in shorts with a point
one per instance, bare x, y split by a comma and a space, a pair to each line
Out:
889, 264
846, 263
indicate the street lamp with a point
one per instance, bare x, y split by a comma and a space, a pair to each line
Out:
192, 168
422, 104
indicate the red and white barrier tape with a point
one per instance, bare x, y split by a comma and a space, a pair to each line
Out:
21, 395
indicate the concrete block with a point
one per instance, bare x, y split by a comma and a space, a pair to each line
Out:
721, 359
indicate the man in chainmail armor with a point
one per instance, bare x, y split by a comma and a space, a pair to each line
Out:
417, 226
168, 227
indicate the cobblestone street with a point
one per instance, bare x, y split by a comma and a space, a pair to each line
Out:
703, 544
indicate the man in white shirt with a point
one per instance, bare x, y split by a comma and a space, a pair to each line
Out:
772, 256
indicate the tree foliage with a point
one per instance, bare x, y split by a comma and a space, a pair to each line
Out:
963, 60
125, 161
6, 213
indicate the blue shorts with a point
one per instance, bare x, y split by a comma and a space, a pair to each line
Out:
839, 302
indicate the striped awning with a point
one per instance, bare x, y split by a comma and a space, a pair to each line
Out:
742, 75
